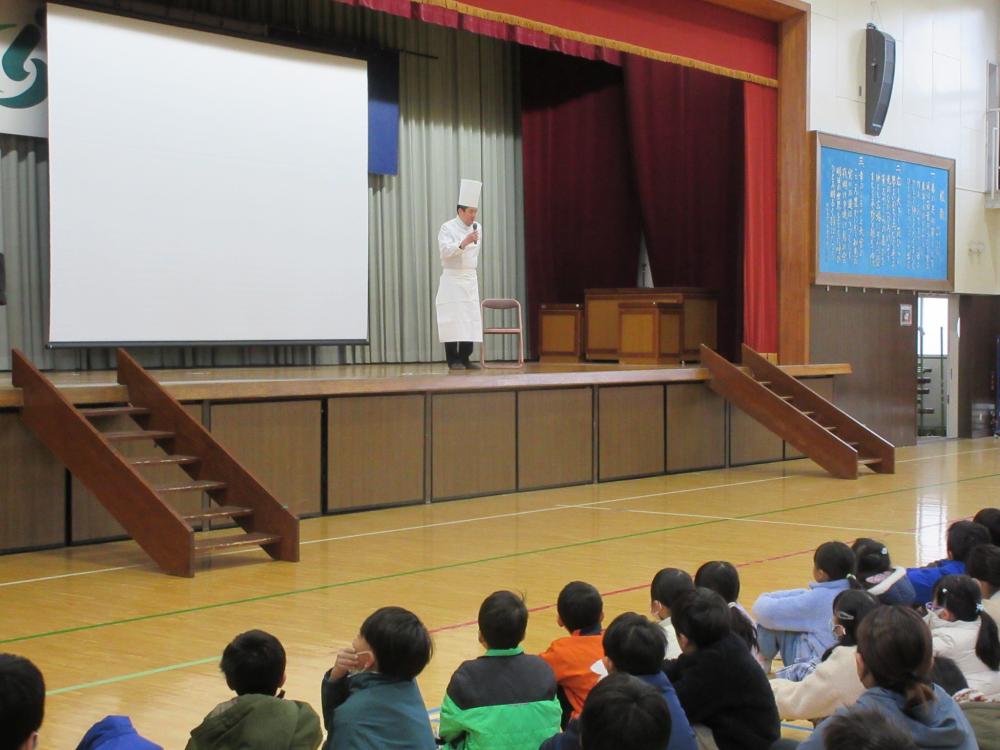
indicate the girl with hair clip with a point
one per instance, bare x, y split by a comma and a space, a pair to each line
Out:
722, 578
835, 682
984, 566
894, 663
965, 633
876, 574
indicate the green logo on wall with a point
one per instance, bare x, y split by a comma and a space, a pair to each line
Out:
14, 63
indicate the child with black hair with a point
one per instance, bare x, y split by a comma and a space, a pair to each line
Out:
796, 622
894, 662
634, 645
962, 631
258, 717
983, 713
963, 537
722, 689
580, 610
22, 703
990, 518
667, 585
834, 683
370, 695
505, 699
875, 572
623, 712
722, 578
984, 566
865, 729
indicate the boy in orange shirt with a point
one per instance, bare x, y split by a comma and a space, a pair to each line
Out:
572, 658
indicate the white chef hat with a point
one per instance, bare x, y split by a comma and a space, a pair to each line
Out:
468, 193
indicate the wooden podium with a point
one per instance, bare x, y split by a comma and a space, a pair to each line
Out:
657, 325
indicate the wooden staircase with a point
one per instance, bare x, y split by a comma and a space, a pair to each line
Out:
142, 507
798, 415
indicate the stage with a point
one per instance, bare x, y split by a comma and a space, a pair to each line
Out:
333, 439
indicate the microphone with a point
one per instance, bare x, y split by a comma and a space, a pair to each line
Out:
475, 227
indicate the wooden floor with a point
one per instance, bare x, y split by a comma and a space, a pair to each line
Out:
114, 636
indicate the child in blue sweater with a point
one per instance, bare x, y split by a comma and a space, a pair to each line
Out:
796, 622
963, 537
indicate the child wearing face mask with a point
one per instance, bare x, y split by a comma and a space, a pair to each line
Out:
667, 587
834, 683
370, 696
962, 631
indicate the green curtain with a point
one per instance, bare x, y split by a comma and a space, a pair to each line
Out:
458, 118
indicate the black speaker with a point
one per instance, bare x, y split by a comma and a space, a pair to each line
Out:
880, 60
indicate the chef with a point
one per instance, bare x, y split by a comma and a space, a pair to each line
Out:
459, 319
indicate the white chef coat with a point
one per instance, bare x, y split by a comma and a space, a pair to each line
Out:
458, 314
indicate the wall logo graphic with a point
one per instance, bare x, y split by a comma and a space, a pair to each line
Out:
23, 69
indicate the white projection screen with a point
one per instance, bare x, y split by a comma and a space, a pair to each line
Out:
203, 188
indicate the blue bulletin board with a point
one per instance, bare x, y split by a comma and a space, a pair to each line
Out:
885, 216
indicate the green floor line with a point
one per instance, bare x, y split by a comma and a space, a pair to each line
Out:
464, 563
133, 676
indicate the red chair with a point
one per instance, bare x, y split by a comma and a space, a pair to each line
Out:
502, 304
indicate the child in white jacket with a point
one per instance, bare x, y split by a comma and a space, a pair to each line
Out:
835, 682
962, 631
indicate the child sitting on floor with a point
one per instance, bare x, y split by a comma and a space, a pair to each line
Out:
835, 683
258, 717
961, 630
722, 578
876, 574
505, 699
963, 537
720, 686
580, 610
370, 696
796, 622
668, 584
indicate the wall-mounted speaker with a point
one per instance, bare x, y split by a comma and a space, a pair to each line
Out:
880, 63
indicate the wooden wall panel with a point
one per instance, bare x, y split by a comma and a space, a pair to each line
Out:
555, 437
631, 431
822, 386
696, 428
280, 443
977, 363
32, 498
90, 521
473, 444
375, 450
750, 442
863, 328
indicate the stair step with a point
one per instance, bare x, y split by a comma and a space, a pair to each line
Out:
808, 413
163, 460
203, 485
123, 436
830, 428
764, 383
852, 443
217, 511
252, 539
786, 398
502, 330
114, 411
869, 461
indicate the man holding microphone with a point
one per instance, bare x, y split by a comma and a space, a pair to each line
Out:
459, 319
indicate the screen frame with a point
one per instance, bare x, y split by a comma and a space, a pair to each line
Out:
868, 148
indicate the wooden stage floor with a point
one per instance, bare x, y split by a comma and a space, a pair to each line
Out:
290, 382
114, 635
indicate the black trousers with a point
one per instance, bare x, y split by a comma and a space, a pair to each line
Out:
458, 351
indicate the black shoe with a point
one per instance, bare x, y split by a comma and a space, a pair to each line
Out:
456, 366
471, 365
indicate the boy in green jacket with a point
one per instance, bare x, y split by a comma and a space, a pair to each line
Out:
505, 699
258, 718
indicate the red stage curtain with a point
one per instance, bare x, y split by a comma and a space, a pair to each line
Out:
687, 155
581, 214
687, 32
760, 219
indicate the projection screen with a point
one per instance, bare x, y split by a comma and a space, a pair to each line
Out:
203, 188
